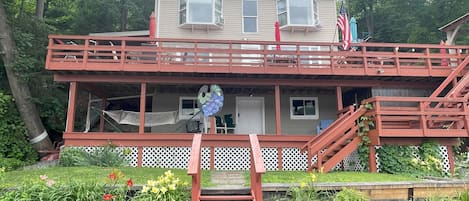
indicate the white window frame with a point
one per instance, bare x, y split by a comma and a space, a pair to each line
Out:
316, 108
181, 98
249, 16
314, 15
217, 15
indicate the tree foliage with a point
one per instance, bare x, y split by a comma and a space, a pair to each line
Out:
407, 21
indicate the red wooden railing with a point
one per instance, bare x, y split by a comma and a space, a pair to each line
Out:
418, 117
257, 169
451, 79
140, 54
341, 130
194, 167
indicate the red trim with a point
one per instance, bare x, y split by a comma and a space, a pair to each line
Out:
241, 81
139, 156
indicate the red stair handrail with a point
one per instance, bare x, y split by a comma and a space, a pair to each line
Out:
257, 167
194, 167
450, 78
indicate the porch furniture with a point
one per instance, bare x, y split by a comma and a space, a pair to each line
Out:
323, 124
224, 125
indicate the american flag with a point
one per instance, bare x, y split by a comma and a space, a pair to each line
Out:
344, 26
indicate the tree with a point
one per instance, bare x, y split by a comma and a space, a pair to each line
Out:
19, 89
40, 9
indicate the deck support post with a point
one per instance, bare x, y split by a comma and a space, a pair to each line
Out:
278, 125
143, 95
72, 97
338, 90
213, 130
450, 159
372, 159
101, 117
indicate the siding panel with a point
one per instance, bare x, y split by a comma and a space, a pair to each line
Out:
232, 13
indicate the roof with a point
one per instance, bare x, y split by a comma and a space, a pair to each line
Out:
453, 24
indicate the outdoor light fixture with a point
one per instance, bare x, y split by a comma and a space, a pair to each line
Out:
380, 71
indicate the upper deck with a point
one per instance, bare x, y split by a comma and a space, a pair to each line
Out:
142, 54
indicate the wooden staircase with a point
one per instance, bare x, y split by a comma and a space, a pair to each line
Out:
336, 142
460, 89
257, 169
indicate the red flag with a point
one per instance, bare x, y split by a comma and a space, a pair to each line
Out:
344, 26
152, 25
277, 34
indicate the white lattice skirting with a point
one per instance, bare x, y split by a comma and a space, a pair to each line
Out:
235, 158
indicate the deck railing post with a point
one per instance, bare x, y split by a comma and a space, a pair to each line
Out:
85, 54
123, 57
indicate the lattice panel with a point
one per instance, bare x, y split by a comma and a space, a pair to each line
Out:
292, 159
352, 162
443, 153
378, 164
166, 157
232, 158
270, 156
205, 158
445, 159
131, 155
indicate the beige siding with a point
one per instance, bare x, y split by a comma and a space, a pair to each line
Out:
327, 110
232, 30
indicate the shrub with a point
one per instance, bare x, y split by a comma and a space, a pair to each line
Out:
106, 156
348, 194
13, 136
305, 191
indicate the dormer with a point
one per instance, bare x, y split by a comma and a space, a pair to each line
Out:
298, 15
201, 14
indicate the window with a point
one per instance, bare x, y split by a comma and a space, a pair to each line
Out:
200, 12
297, 12
311, 58
188, 107
304, 108
249, 16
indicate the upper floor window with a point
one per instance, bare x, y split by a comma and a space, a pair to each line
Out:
200, 12
249, 16
297, 13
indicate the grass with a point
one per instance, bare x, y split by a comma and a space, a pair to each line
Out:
95, 174
300, 176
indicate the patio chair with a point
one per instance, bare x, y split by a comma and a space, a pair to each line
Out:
323, 124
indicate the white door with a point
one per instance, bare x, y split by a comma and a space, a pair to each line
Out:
250, 115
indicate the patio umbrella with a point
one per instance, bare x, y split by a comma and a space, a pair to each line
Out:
152, 26
444, 61
353, 29
277, 34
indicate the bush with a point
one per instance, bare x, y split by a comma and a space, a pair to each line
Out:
13, 136
11, 163
348, 194
107, 156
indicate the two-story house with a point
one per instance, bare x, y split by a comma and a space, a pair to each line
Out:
143, 93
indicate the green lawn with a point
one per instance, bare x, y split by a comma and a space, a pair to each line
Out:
141, 175
299, 176
95, 174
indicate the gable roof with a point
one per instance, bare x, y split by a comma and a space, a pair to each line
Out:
455, 23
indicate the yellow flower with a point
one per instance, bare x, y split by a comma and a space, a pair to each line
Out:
145, 189
169, 173
313, 177
155, 190
303, 184
176, 181
164, 189
151, 183
172, 187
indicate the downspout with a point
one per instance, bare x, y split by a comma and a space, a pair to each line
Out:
157, 11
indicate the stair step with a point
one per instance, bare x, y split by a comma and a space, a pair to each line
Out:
226, 197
